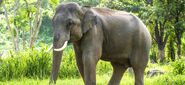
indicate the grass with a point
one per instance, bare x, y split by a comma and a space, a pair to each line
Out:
33, 67
102, 80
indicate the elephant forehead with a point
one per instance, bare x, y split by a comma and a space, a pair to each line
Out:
68, 7
58, 18
62, 17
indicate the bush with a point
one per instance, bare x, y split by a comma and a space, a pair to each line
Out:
68, 68
38, 64
34, 63
31, 63
168, 79
103, 67
179, 67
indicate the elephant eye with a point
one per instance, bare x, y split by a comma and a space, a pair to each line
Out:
70, 23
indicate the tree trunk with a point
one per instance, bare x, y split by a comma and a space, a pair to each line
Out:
24, 40
178, 31
161, 55
178, 34
171, 49
161, 38
178, 51
36, 24
16, 38
8, 26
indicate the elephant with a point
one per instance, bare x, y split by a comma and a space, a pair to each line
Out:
118, 37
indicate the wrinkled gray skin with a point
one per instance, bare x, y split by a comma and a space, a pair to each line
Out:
100, 33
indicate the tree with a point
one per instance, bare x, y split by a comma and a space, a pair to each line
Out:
19, 16
36, 23
16, 33
11, 30
157, 17
161, 38
171, 48
178, 10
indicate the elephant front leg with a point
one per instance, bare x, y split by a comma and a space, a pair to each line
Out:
79, 62
89, 62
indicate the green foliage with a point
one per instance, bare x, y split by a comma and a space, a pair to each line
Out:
83, 2
46, 31
179, 67
53, 3
31, 63
166, 79
36, 63
68, 67
130, 6
153, 54
103, 67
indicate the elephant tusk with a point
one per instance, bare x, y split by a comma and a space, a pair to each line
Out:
50, 48
62, 48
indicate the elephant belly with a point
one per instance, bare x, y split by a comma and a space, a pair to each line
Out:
117, 53
118, 58
117, 47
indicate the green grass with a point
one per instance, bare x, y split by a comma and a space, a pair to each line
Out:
33, 67
103, 80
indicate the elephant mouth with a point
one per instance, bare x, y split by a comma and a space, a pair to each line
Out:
61, 48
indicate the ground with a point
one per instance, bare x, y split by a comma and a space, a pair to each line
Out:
103, 80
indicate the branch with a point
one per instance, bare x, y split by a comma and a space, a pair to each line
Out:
8, 23
165, 39
15, 26
36, 23
156, 31
161, 30
154, 38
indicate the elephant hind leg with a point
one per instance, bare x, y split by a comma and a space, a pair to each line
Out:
139, 76
118, 71
139, 68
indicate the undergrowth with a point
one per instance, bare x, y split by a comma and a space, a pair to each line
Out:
36, 64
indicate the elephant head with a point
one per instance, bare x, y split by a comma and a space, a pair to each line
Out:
67, 28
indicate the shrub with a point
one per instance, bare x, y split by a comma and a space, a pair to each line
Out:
168, 79
36, 63
103, 67
31, 63
68, 68
179, 67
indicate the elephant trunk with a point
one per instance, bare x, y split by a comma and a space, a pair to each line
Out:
57, 55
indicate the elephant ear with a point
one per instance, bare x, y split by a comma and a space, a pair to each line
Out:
91, 24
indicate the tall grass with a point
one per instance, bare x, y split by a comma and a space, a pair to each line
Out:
36, 63
30, 63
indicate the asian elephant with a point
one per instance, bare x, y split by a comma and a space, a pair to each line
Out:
100, 33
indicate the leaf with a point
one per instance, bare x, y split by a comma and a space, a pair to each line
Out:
54, 2
33, 9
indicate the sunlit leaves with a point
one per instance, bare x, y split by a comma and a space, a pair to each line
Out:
53, 3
